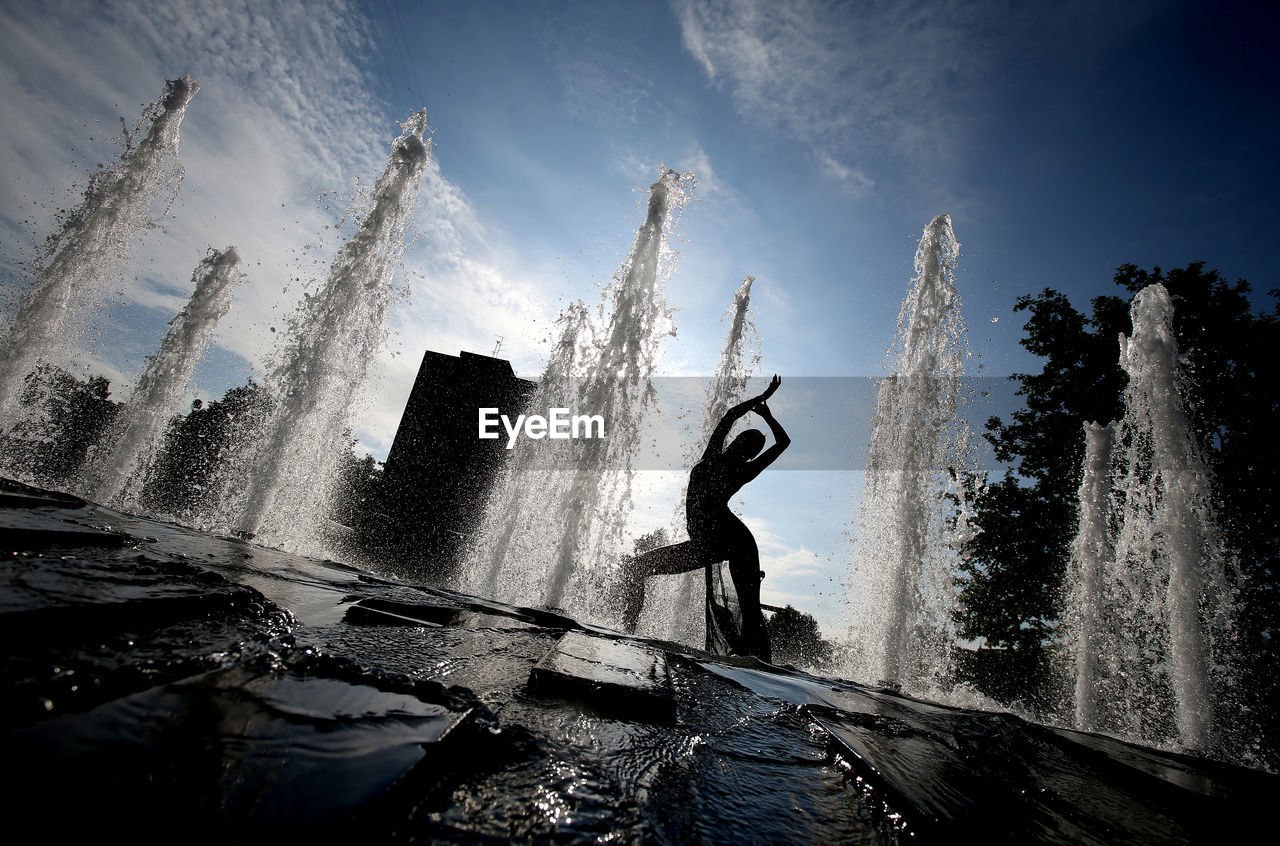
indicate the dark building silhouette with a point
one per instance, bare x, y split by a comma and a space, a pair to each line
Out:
438, 471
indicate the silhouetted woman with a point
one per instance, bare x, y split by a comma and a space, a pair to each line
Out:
735, 623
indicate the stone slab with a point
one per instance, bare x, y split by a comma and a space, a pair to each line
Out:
611, 675
374, 611
232, 748
918, 775
22, 530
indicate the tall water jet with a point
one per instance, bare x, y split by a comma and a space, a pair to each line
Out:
1091, 557
125, 454
901, 588
517, 495
85, 256
561, 547
673, 604
1163, 615
331, 340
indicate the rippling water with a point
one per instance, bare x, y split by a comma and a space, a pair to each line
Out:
161, 682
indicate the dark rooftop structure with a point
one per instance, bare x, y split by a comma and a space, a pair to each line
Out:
438, 470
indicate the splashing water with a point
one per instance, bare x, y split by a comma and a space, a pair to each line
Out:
331, 341
1091, 557
126, 452
1162, 615
901, 588
519, 490
552, 531
86, 255
673, 604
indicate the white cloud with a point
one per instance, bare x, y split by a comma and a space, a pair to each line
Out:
466, 294
777, 557
850, 179
881, 81
603, 87
854, 82
710, 184
280, 133
458, 303
282, 114
632, 167
602, 80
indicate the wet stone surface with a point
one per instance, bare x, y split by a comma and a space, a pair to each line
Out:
81, 631
170, 685
612, 674
235, 746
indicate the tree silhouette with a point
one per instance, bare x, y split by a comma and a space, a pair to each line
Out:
1012, 576
651, 541
796, 639
198, 445
64, 417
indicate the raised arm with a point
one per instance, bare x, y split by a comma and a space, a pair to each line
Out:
781, 441
715, 444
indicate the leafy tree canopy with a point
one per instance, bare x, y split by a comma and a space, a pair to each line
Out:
197, 445
64, 416
796, 639
1012, 578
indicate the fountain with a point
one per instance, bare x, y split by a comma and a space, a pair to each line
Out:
552, 532
86, 255
125, 454
1091, 557
673, 604
1155, 611
512, 494
171, 676
331, 341
160, 679
901, 584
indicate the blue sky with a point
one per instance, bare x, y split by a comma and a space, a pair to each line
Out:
1064, 139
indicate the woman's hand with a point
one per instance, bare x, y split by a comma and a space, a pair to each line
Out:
773, 386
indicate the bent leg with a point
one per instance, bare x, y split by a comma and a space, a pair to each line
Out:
667, 560
663, 561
